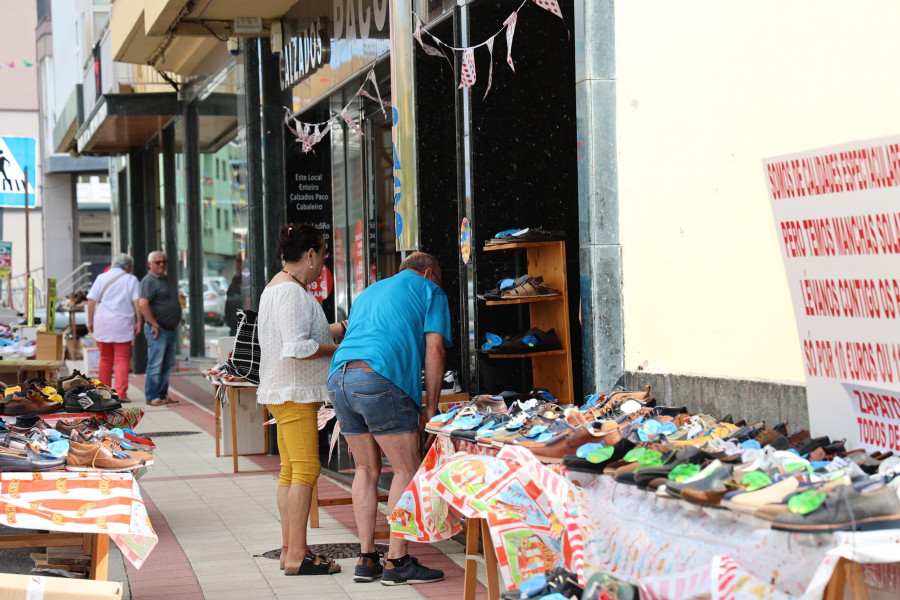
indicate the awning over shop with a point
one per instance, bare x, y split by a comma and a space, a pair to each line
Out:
120, 122
187, 37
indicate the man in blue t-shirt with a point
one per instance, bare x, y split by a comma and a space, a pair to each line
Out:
375, 385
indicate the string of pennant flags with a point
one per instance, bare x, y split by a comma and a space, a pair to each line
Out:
310, 134
467, 72
11, 64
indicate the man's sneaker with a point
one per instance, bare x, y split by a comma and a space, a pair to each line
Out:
450, 385
369, 568
408, 570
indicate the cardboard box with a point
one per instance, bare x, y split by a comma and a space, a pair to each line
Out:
26, 587
73, 349
49, 347
450, 401
91, 366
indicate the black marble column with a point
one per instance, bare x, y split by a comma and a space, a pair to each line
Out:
170, 201
274, 202
136, 242
256, 237
191, 152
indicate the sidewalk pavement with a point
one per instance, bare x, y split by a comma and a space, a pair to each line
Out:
213, 524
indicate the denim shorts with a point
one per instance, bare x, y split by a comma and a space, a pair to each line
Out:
366, 402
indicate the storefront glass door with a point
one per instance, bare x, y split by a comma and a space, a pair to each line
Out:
362, 200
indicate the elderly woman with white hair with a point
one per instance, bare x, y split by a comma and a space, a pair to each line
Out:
114, 319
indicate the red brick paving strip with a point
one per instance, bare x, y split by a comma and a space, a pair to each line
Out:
167, 574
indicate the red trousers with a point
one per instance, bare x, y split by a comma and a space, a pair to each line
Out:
120, 354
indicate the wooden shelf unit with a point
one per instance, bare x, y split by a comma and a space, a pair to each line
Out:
552, 370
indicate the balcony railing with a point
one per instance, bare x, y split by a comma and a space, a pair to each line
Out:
123, 78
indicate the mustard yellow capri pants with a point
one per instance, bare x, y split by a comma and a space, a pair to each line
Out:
298, 442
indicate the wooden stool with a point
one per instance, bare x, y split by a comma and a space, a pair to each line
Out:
315, 503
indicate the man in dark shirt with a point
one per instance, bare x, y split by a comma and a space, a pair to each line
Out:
162, 315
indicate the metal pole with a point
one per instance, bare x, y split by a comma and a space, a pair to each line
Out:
27, 233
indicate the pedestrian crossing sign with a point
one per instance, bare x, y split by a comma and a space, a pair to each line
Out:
17, 154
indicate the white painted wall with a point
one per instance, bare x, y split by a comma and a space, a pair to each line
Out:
19, 118
705, 90
68, 52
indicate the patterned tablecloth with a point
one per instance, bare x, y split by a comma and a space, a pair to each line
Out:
107, 503
541, 516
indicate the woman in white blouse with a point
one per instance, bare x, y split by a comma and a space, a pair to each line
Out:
296, 344
114, 319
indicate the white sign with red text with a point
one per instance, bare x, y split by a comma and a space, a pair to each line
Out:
837, 213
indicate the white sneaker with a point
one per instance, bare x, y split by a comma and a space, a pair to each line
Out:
450, 384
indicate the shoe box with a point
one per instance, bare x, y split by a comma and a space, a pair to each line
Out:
49, 347
22, 587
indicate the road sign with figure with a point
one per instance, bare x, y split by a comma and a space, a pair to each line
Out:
15, 155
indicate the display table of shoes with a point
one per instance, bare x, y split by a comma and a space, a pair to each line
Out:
243, 409
534, 517
77, 509
27, 368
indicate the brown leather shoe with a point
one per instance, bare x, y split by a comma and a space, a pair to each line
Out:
67, 428
72, 381
30, 402
564, 445
97, 457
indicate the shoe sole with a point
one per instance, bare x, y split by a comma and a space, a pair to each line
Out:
410, 581
77, 469
12, 412
868, 524
365, 578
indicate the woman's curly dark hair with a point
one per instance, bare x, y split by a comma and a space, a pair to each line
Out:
295, 240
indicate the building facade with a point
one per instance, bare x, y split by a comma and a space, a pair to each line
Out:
637, 128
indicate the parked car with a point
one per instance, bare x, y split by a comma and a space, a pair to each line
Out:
220, 282
213, 301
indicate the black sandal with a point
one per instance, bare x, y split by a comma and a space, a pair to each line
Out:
309, 566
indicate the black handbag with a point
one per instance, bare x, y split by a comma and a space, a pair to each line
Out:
244, 359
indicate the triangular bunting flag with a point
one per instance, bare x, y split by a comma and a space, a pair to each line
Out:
510, 23
490, 47
429, 49
371, 77
550, 5
304, 138
467, 76
351, 122
374, 99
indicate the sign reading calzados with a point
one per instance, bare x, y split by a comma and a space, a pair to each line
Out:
305, 50
309, 39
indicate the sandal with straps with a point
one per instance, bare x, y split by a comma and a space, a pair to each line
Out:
309, 566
